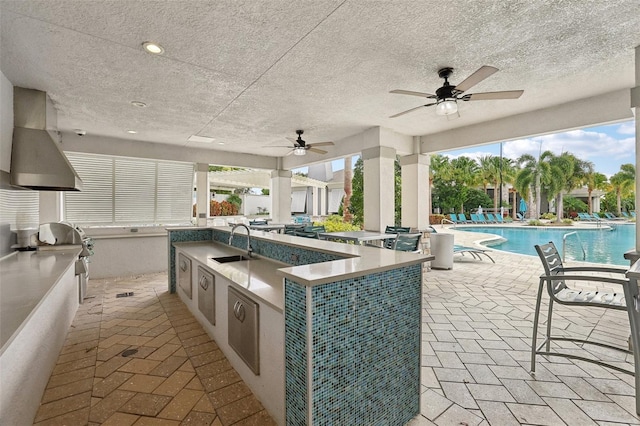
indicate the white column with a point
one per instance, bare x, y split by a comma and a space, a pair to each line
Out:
379, 179
635, 107
315, 201
323, 201
415, 190
280, 191
202, 194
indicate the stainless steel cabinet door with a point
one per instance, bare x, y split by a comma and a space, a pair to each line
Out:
184, 274
243, 315
207, 294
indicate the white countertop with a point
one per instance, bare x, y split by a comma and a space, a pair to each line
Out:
25, 279
257, 276
263, 278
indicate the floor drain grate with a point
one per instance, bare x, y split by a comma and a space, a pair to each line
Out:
129, 352
127, 294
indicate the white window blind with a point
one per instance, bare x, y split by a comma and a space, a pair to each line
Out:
129, 191
335, 198
298, 201
19, 208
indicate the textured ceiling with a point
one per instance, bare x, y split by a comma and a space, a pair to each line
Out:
249, 73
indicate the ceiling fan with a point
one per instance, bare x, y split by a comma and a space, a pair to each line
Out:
447, 97
300, 146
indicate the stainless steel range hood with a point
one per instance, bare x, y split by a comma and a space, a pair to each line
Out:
37, 162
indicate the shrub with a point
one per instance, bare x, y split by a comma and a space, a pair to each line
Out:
436, 219
534, 222
549, 216
567, 221
334, 223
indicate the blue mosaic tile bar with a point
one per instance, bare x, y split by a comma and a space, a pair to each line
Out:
275, 251
180, 236
365, 350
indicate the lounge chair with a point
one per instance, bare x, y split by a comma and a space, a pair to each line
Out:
520, 216
611, 216
454, 217
474, 218
633, 214
626, 215
585, 216
596, 217
462, 218
491, 218
482, 218
474, 252
556, 279
499, 218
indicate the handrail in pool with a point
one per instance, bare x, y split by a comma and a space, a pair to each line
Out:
564, 245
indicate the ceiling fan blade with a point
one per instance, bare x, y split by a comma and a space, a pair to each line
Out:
410, 110
319, 151
485, 96
475, 78
292, 139
276, 146
321, 144
289, 153
412, 93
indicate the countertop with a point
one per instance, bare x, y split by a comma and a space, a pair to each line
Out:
25, 279
264, 277
257, 276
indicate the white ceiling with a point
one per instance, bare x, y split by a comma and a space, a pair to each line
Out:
249, 73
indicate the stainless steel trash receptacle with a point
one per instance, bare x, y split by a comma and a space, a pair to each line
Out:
442, 249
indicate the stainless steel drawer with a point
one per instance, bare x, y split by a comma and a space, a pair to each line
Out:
243, 316
184, 274
207, 294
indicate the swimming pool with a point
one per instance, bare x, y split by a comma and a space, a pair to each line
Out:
600, 244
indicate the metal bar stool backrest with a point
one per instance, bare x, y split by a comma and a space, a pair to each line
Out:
407, 242
388, 242
552, 263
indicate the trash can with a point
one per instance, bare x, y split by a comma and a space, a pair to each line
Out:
442, 249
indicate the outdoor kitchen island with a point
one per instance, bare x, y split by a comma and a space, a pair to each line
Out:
339, 324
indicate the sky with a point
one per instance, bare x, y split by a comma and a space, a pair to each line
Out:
607, 147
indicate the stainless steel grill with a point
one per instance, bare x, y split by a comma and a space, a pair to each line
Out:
61, 236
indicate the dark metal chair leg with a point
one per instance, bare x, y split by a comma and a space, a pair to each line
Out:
534, 339
548, 347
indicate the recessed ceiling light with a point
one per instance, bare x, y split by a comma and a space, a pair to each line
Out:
220, 143
153, 48
133, 132
139, 104
196, 138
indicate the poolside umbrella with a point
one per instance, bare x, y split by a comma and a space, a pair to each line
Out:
523, 205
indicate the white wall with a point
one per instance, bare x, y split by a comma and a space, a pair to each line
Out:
127, 253
250, 204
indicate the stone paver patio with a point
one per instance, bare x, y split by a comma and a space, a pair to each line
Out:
477, 326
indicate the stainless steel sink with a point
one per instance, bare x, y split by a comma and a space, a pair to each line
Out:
227, 259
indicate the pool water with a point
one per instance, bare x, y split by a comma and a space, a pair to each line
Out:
601, 245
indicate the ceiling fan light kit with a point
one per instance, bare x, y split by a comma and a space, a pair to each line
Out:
446, 107
447, 96
300, 146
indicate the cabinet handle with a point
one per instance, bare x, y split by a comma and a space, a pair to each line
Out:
183, 265
239, 311
204, 282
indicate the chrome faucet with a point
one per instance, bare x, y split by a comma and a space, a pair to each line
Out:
233, 230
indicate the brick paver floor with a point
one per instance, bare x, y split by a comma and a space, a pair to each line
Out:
477, 325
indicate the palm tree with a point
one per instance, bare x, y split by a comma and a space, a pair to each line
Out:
594, 181
487, 171
560, 177
465, 175
623, 182
529, 179
437, 168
